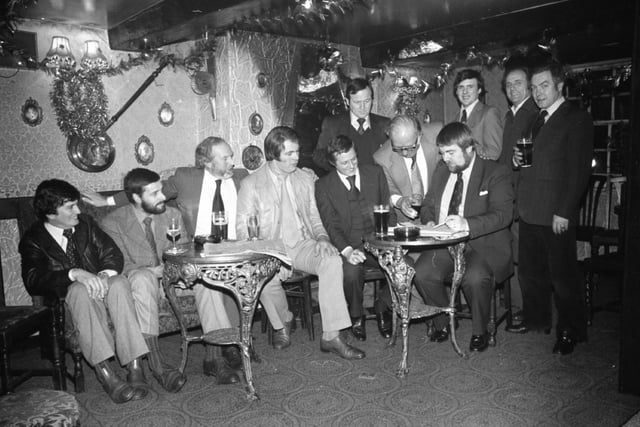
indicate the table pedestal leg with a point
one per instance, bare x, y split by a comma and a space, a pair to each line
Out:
457, 253
169, 277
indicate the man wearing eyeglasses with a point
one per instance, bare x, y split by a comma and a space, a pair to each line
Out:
408, 160
366, 130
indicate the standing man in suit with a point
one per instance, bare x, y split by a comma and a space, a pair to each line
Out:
283, 198
517, 124
549, 193
408, 159
139, 230
345, 200
483, 120
66, 254
366, 130
472, 194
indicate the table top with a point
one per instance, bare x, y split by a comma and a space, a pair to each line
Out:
229, 251
390, 242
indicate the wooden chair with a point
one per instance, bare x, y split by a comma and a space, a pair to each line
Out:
19, 323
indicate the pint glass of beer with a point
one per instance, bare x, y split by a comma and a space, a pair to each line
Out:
525, 145
381, 219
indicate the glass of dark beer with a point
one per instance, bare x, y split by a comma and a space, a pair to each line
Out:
381, 219
416, 202
219, 229
525, 145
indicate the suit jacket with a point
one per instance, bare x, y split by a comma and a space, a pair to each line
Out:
486, 127
333, 202
258, 194
123, 227
560, 170
395, 170
184, 187
515, 128
488, 209
45, 267
365, 144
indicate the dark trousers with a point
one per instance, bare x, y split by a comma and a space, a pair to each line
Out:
547, 263
435, 268
353, 282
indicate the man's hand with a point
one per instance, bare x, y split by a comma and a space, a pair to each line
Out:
404, 203
517, 157
94, 198
559, 224
456, 223
355, 256
158, 270
97, 287
325, 248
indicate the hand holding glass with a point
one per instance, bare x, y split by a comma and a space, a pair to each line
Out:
416, 202
253, 227
525, 147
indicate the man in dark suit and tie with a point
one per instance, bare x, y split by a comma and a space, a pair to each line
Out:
483, 120
472, 194
345, 199
408, 159
366, 130
549, 193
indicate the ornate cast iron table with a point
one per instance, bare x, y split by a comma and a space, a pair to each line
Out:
390, 253
228, 265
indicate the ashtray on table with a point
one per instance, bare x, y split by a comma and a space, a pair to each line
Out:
406, 233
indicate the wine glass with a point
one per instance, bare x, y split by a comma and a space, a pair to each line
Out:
173, 231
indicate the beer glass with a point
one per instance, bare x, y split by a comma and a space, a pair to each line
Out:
381, 219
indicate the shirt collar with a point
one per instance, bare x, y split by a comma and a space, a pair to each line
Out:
56, 232
344, 178
515, 108
141, 215
354, 121
553, 107
470, 108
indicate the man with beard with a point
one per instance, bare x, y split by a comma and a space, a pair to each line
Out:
475, 195
139, 231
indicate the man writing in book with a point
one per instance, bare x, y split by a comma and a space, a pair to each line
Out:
471, 194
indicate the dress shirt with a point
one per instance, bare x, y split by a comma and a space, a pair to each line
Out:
354, 122
422, 167
553, 107
469, 109
229, 197
345, 181
56, 233
276, 182
448, 191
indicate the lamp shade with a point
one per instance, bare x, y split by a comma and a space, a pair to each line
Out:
93, 57
60, 54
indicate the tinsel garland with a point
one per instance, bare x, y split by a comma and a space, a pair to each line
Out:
80, 104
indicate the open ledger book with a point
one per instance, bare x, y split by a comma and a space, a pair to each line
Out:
439, 231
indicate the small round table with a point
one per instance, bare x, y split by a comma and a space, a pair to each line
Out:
390, 253
240, 271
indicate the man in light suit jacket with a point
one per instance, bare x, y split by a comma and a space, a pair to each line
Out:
483, 207
366, 130
346, 198
549, 194
283, 198
139, 230
483, 120
408, 159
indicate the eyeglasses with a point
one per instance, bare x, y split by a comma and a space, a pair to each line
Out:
406, 149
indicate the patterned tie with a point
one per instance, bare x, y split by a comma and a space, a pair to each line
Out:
456, 196
352, 186
463, 117
538, 123
290, 232
416, 178
72, 250
361, 126
218, 204
148, 233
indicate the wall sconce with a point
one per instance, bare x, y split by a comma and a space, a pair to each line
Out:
60, 56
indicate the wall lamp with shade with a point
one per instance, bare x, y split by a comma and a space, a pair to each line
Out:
60, 56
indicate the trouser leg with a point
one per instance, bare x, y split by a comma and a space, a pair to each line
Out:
274, 302
477, 285
353, 285
534, 275
433, 268
145, 290
216, 308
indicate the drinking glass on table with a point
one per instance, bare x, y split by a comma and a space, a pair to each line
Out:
220, 224
253, 226
173, 232
381, 219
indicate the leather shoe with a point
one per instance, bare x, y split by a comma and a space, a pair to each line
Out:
218, 368
523, 328
118, 390
479, 342
232, 356
565, 344
385, 323
358, 328
341, 348
136, 379
282, 337
170, 378
440, 335
518, 316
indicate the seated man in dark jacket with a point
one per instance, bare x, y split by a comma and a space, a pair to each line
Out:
65, 253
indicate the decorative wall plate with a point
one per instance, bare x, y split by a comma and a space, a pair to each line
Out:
144, 151
252, 157
262, 80
256, 123
165, 114
91, 155
31, 112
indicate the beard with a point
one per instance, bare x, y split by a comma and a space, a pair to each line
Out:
460, 168
158, 208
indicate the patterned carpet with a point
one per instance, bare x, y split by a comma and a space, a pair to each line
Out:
517, 383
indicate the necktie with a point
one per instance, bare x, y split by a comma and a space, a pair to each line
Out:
72, 250
291, 234
218, 204
416, 178
361, 126
148, 233
510, 117
353, 189
456, 196
463, 117
538, 123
